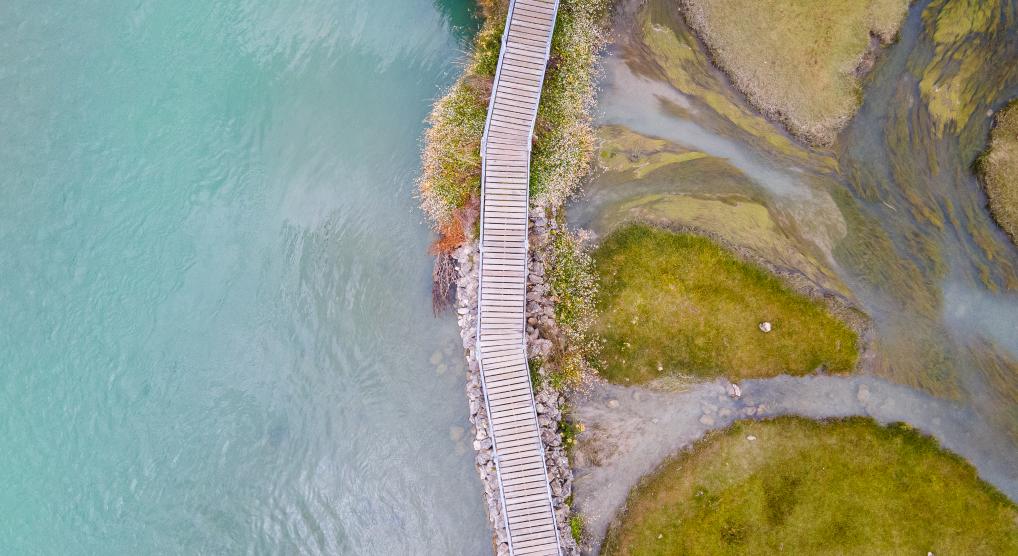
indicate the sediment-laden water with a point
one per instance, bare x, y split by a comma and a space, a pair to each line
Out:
893, 217
215, 319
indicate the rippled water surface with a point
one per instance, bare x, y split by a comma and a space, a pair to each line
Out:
215, 318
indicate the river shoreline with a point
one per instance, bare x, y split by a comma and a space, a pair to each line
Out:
449, 189
631, 430
548, 401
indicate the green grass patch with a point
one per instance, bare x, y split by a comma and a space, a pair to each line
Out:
569, 429
680, 304
570, 277
797, 61
576, 528
998, 167
801, 487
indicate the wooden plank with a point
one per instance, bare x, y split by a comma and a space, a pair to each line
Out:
522, 424
522, 35
520, 87
512, 44
523, 427
538, 6
524, 536
527, 517
522, 58
528, 13
548, 548
524, 518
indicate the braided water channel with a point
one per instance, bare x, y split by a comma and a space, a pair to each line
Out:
892, 218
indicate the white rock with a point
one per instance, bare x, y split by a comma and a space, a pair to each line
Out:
751, 438
765, 326
864, 394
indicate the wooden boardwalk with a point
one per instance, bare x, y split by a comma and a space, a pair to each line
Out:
501, 340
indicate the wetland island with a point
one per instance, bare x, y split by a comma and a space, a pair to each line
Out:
768, 274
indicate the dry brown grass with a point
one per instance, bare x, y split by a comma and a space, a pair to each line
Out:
999, 170
797, 62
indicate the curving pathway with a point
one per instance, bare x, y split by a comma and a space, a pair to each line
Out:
631, 430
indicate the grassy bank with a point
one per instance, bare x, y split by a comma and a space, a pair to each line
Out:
800, 487
672, 303
563, 138
572, 288
998, 167
798, 62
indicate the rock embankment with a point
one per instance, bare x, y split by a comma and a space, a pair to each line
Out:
540, 331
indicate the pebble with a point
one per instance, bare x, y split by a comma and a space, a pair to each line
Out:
751, 438
864, 393
613, 404
707, 420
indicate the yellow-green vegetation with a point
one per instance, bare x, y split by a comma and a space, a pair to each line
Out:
694, 189
800, 487
628, 157
797, 62
576, 527
451, 161
733, 218
573, 287
679, 304
998, 368
999, 170
565, 137
971, 61
622, 150
563, 134
669, 49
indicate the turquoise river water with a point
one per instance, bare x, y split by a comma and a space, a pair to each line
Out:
215, 318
